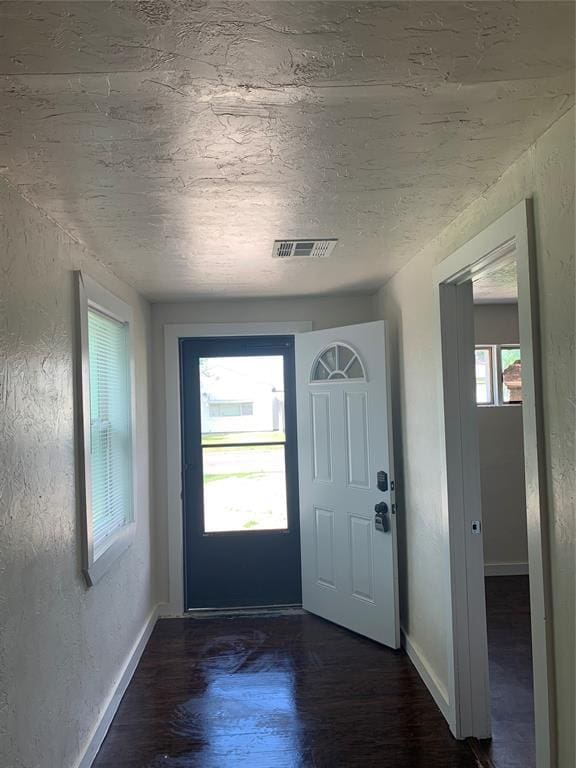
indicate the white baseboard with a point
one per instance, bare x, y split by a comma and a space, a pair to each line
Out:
169, 611
429, 677
505, 569
101, 729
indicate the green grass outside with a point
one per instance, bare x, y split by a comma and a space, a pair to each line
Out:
226, 476
221, 438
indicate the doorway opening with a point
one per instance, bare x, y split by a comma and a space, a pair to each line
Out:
341, 502
498, 369
239, 465
493, 482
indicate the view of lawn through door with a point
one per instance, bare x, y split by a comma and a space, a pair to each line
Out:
243, 443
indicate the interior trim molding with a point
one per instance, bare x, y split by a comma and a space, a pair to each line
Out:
172, 457
118, 690
505, 569
468, 677
429, 677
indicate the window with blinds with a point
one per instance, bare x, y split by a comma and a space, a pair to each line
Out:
110, 428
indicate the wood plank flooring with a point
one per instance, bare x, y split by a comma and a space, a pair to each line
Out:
511, 685
276, 692
286, 691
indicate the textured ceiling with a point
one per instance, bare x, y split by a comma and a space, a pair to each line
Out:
499, 286
177, 140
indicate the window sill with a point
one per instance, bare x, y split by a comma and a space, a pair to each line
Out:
121, 541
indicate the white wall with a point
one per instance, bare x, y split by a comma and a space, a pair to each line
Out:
545, 172
496, 324
501, 443
62, 646
323, 312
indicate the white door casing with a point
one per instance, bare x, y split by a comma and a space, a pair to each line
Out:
349, 567
510, 236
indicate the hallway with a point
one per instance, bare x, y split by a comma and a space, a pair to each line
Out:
253, 256
273, 692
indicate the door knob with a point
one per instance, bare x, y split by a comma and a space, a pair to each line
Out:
381, 517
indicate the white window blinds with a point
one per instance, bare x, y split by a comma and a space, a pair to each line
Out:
110, 420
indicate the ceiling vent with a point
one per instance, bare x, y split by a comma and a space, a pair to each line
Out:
303, 249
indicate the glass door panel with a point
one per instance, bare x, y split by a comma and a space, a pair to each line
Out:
244, 488
243, 443
242, 399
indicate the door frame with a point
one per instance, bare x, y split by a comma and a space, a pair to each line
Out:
173, 332
510, 237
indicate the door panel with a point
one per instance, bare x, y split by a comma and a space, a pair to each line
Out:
321, 437
361, 553
349, 566
356, 440
324, 536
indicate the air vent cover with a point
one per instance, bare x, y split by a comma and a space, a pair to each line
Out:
307, 249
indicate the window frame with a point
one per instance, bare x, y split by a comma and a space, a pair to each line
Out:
496, 372
91, 295
491, 379
498, 353
337, 374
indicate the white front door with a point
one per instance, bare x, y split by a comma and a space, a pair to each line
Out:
347, 513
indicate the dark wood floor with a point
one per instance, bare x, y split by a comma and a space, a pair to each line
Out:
296, 691
511, 687
275, 692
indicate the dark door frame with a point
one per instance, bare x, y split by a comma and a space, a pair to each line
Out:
244, 552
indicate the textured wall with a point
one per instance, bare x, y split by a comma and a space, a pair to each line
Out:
545, 172
501, 442
61, 645
323, 312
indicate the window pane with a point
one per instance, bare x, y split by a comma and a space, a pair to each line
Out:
244, 488
483, 376
337, 362
110, 441
345, 355
329, 358
355, 370
321, 373
511, 374
242, 399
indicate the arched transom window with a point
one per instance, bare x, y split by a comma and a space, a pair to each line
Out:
338, 361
